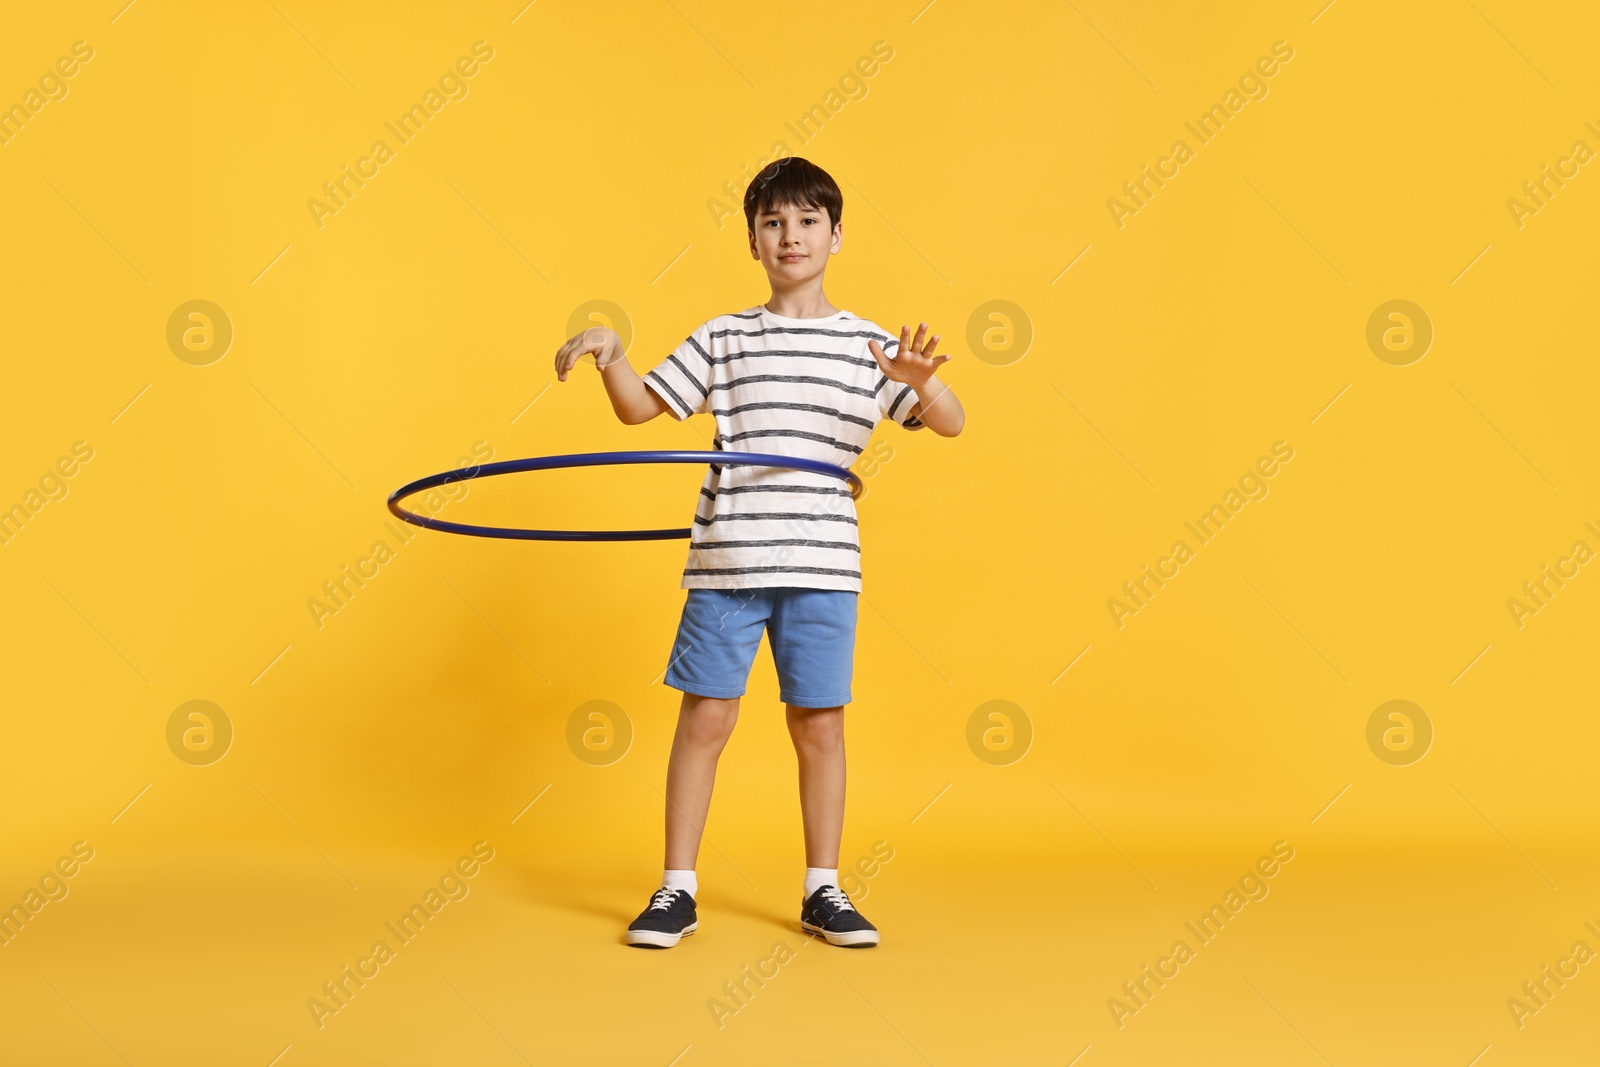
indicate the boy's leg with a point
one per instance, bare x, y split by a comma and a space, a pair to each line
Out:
813, 635
813, 638
718, 635
818, 735
825, 910
704, 726
717, 639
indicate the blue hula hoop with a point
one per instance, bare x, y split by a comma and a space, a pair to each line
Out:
595, 459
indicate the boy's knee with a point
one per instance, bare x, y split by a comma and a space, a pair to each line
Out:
709, 720
817, 728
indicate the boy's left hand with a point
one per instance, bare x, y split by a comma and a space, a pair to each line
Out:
911, 364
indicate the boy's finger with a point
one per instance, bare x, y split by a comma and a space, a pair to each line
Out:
933, 342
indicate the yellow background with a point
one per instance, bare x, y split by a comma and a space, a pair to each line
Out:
1230, 713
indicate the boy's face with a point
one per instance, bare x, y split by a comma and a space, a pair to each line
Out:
793, 243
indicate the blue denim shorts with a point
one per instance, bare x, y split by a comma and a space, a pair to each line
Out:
812, 633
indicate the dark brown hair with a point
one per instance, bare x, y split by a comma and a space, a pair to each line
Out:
797, 182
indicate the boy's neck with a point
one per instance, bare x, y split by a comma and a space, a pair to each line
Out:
810, 303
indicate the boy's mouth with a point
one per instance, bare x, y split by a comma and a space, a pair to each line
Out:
792, 255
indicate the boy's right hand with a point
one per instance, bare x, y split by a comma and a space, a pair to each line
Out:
600, 341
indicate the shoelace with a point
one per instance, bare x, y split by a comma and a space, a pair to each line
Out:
835, 896
663, 899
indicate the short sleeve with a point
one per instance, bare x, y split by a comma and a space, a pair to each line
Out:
895, 399
683, 379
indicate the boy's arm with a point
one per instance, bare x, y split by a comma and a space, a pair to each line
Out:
938, 408
630, 398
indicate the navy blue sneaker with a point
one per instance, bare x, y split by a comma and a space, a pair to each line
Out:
668, 919
830, 914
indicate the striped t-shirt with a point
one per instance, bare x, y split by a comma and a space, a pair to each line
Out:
790, 387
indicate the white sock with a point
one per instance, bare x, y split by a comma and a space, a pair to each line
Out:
817, 877
684, 880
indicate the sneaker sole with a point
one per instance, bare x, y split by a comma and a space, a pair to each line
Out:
849, 939
659, 938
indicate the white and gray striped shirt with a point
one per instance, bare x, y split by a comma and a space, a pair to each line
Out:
790, 387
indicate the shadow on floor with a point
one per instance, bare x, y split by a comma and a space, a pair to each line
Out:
598, 899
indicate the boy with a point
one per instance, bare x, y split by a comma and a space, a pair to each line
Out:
772, 548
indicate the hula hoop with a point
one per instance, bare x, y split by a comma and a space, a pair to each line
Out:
595, 459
